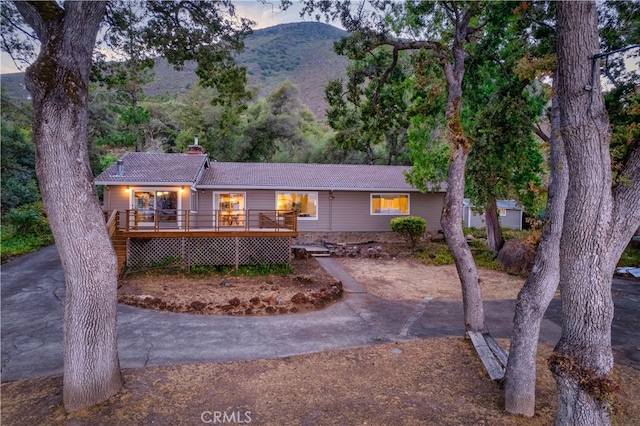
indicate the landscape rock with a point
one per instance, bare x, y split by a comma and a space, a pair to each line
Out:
299, 298
198, 306
517, 257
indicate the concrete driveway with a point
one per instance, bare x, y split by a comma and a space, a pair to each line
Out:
32, 309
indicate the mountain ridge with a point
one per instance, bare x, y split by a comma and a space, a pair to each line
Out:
301, 52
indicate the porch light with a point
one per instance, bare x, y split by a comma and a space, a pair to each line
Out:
128, 189
182, 189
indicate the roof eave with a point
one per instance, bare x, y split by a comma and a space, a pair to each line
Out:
298, 188
138, 183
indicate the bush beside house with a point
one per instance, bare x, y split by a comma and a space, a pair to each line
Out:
411, 228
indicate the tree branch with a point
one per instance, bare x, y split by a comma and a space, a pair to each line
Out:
37, 14
540, 133
383, 80
397, 47
410, 44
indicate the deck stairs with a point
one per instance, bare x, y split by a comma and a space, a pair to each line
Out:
314, 251
120, 246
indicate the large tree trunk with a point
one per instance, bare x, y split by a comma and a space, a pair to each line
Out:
494, 235
460, 144
58, 82
538, 290
598, 223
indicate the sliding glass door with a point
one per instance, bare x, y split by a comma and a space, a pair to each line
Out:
151, 205
230, 208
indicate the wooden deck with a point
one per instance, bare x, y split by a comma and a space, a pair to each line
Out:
272, 227
182, 223
208, 233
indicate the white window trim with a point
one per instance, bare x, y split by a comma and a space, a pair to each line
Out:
133, 189
216, 194
193, 200
394, 194
178, 189
302, 192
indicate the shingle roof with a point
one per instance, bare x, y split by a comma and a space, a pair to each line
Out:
149, 168
290, 176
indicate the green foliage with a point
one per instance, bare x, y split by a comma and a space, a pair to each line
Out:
167, 262
279, 128
262, 270
411, 228
428, 147
19, 184
17, 112
370, 121
475, 232
25, 229
485, 258
500, 111
437, 254
630, 257
242, 271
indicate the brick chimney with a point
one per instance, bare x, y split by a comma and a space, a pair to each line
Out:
119, 168
195, 148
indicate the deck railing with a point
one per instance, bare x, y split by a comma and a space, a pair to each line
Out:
112, 221
217, 220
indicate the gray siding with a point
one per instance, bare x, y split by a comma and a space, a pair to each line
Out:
351, 211
512, 220
347, 211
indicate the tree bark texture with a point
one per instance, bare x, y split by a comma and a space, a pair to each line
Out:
538, 290
494, 235
598, 224
460, 144
59, 82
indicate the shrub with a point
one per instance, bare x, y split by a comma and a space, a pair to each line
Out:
411, 228
24, 230
435, 254
28, 219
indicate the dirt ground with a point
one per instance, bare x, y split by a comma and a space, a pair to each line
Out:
309, 287
408, 279
424, 382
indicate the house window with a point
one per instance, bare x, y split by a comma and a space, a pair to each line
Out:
230, 208
389, 204
304, 203
149, 203
503, 212
194, 200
